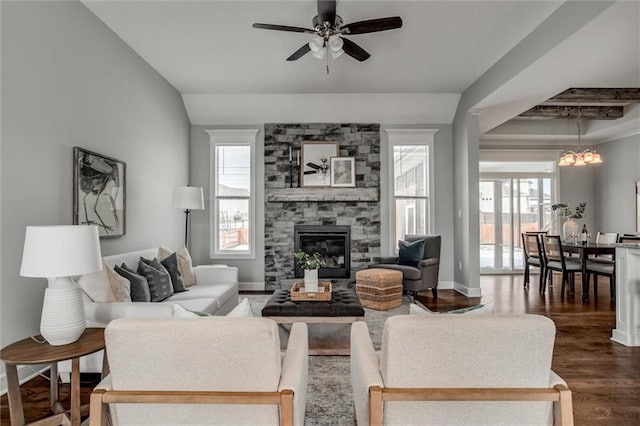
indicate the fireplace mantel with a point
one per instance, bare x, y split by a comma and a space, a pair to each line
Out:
322, 194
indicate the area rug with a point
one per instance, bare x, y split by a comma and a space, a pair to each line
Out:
329, 397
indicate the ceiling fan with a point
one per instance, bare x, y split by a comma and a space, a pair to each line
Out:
329, 31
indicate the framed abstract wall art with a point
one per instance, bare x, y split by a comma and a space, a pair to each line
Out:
99, 192
343, 172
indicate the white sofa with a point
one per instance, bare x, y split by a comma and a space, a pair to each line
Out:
215, 293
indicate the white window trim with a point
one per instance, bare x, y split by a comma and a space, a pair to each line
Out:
230, 137
410, 137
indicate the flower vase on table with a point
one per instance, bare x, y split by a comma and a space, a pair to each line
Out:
310, 280
310, 263
570, 229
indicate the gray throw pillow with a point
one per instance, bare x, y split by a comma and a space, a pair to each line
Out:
171, 265
138, 284
159, 281
410, 253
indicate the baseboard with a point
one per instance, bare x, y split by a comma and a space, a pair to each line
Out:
251, 286
467, 291
25, 373
446, 285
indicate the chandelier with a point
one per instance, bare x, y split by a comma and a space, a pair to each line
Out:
580, 157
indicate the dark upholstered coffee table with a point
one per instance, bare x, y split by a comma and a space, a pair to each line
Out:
329, 322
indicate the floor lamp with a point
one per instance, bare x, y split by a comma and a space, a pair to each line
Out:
187, 198
58, 253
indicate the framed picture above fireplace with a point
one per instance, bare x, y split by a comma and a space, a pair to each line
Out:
343, 172
315, 170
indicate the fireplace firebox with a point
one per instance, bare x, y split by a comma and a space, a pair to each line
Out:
333, 242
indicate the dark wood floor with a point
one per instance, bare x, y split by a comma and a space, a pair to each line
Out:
604, 376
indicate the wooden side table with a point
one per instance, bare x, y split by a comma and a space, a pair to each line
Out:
30, 352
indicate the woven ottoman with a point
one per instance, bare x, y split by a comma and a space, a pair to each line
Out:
379, 289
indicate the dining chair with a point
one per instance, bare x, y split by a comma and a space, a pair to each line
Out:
533, 255
602, 266
605, 238
558, 262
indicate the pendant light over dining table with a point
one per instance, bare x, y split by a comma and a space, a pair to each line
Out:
580, 157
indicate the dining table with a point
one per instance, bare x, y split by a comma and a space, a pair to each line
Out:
584, 250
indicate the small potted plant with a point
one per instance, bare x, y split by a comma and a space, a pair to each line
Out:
310, 263
570, 227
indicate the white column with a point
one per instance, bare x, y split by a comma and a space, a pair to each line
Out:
627, 331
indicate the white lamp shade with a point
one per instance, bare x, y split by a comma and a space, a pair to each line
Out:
188, 198
60, 251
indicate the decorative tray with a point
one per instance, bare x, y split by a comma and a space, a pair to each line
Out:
323, 293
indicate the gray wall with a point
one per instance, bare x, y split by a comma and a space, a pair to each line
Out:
251, 270
567, 19
577, 185
67, 81
615, 185
443, 190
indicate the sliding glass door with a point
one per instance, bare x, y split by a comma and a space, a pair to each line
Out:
514, 198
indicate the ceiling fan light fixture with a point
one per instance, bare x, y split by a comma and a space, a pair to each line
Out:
327, 28
336, 43
320, 54
336, 53
316, 45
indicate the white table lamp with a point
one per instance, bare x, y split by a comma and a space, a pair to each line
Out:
187, 198
58, 253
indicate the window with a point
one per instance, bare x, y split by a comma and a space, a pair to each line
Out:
232, 192
411, 167
516, 194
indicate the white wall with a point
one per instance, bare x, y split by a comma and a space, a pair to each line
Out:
253, 270
615, 185
67, 81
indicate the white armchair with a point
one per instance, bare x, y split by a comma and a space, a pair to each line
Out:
215, 371
452, 370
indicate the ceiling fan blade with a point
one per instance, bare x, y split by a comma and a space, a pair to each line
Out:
299, 53
372, 25
313, 166
355, 51
283, 28
327, 11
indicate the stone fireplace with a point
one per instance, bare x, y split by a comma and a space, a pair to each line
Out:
288, 207
332, 242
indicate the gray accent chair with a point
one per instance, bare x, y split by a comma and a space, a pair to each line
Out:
425, 275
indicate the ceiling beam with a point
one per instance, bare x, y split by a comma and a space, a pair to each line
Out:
587, 112
619, 96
